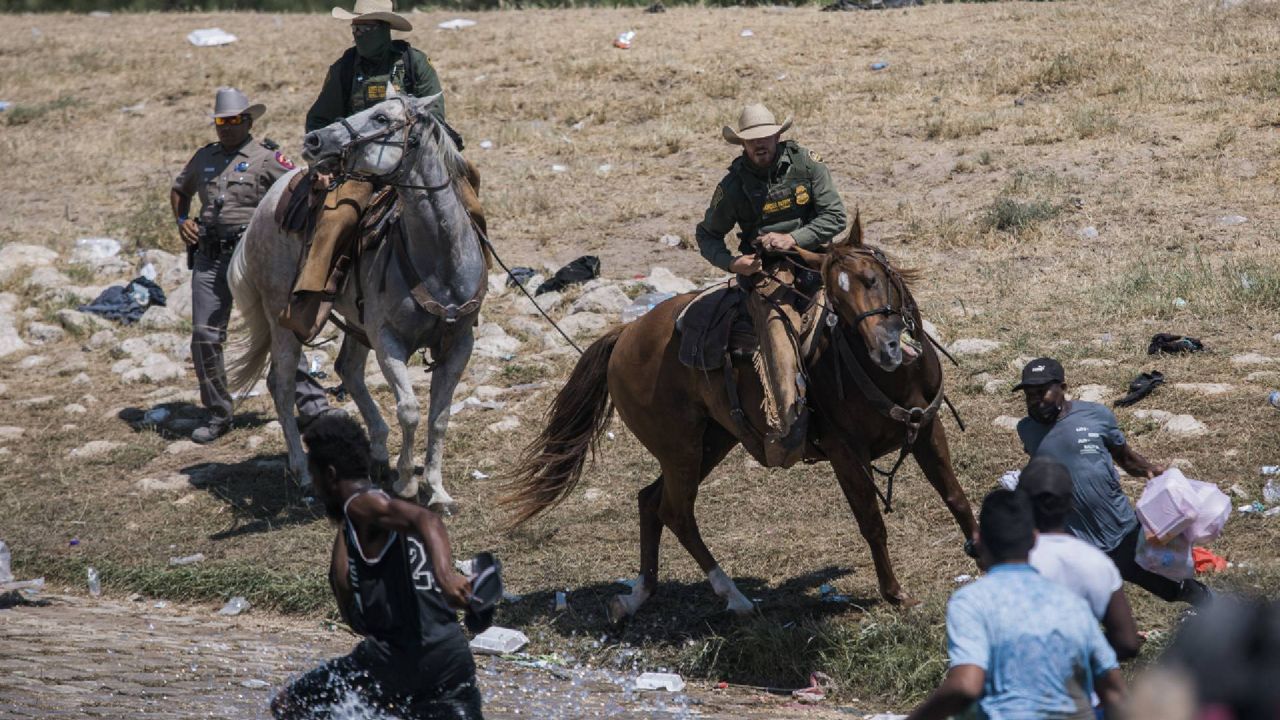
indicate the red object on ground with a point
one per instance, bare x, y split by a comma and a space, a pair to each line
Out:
1206, 561
722, 685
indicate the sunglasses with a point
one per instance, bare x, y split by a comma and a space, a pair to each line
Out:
362, 29
233, 120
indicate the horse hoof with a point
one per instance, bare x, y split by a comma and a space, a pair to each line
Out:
618, 613
448, 509
407, 491
900, 600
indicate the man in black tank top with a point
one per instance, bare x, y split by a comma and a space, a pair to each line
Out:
393, 577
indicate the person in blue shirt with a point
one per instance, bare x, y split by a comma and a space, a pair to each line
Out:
1020, 645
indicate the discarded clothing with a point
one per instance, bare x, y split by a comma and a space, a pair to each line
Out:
126, 304
1173, 344
1206, 561
581, 270
520, 276
1141, 387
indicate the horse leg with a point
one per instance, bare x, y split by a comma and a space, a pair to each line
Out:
392, 357
859, 489
934, 458
282, 382
352, 359
623, 606
456, 352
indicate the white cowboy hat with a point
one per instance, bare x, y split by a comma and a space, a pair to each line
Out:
230, 102
374, 10
754, 122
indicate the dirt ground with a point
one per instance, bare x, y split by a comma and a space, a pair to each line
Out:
1071, 177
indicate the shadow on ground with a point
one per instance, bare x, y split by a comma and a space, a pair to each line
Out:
259, 492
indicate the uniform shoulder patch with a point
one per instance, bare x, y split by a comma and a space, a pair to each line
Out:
284, 161
717, 196
270, 144
815, 156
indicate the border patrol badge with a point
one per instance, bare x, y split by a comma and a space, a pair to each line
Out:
815, 156
284, 161
802, 195
242, 166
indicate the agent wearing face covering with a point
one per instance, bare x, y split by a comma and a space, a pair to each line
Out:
1086, 438
358, 81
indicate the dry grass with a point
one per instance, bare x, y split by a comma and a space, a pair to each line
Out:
1148, 123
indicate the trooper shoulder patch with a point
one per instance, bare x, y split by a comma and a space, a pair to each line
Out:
270, 144
815, 156
717, 197
284, 161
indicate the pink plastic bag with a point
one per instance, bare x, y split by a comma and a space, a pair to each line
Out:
1167, 506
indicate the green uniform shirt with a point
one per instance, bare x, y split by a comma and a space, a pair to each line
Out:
230, 184
368, 85
794, 196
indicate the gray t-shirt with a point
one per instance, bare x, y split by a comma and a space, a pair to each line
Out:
1082, 440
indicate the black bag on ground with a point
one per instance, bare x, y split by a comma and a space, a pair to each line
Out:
581, 270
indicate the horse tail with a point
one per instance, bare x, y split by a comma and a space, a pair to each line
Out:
552, 464
251, 351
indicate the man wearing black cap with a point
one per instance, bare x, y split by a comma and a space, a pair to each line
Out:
1067, 560
1086, 438
393, 576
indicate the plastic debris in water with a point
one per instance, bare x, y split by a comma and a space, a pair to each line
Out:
670, 682
234, 606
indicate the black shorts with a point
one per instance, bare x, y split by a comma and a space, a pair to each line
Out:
351, 681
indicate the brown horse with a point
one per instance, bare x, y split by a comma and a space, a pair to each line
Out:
865, 402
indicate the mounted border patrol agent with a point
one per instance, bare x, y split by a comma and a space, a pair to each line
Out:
780, 196
230, 177
357, 81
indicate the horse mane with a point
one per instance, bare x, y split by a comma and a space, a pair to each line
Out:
908, 275
450, 155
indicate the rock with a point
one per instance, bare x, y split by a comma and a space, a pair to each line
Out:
39, 333
1007, 422
78, 322
506, 424
606, 300
167, 343
1091, 393
488, 392
1159, 416
1251, 359
254, 442
273, 427
101, 256
1203, 388
88, 399
1095, 362
9, 341
171, 269
4, 389
16, 256
167, 483
181, 446
932, 330
1020, 362
9, 433
583, 323
663, 280
101, 339
997, 387
47, 281
158, 317
494, 342
1262, 376
973, 346
1185, 426
75, 409
32, 361
155, 368
179, 299
498, 284
547, 301
38, 401
82, 379
95, 448
1276, 337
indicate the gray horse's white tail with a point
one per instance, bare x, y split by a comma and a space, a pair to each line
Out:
252, 349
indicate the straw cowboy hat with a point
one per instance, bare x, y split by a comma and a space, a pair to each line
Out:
374, 10
754, 122
230, 102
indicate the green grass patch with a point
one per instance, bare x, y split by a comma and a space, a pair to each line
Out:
1011, 215
23, 114
1151, 286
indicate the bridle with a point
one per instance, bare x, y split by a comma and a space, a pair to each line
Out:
906, 308
384, 137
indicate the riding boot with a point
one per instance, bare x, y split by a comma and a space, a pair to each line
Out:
777, 364
315, 289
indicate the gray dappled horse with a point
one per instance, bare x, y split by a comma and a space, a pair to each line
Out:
399, 143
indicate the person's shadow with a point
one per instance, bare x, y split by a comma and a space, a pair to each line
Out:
259, 492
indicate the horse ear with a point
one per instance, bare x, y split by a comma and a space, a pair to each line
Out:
854, 237
424, 104
391, 90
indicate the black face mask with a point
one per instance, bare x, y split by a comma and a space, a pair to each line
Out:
375, 43
1045, 414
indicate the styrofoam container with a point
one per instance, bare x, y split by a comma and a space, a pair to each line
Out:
1167, 506
670, 682
499, 641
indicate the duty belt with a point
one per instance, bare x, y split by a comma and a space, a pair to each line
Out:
222, 238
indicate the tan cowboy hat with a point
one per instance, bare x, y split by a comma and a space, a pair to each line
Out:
754, 122
375, 10
230, 102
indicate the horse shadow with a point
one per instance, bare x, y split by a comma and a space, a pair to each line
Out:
681, 611
258, 492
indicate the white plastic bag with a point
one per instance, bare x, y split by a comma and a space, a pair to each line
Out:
1213, 508
1167, 506
1172, 559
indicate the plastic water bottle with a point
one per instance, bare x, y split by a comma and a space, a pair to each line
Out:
1271, 492
95, 585
644, 304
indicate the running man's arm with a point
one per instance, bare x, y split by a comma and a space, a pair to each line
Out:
406, 517
959, 689
1120, 627
1112, 692
340, 578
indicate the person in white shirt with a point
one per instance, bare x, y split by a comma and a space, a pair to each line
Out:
1066, 559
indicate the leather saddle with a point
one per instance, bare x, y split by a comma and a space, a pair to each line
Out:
714, 324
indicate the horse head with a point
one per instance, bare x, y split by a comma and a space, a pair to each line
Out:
870, 296
380, 142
